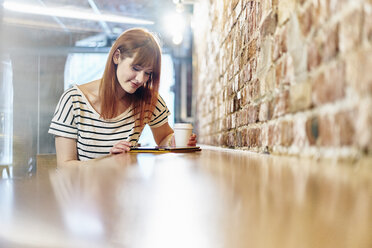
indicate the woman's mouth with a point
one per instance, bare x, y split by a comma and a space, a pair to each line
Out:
134, 85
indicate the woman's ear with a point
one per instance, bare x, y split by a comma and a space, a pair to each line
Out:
116, 57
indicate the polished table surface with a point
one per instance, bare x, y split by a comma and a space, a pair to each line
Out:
213, 198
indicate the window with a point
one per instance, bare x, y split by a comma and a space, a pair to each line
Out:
6, 112
82, 68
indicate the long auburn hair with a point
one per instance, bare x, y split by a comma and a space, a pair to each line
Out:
144, 46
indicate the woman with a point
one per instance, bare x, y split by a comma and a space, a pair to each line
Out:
108, 115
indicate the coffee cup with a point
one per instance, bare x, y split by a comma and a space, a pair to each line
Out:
182, 133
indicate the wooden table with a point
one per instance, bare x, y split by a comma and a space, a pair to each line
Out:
213, 198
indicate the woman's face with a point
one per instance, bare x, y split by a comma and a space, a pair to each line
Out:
131, 76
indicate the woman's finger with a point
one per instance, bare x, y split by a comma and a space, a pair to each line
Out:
192, 142
125, 143
120, 148
116, 150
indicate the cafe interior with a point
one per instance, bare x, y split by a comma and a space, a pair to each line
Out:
278, 93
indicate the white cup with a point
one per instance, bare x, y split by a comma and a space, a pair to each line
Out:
182, 133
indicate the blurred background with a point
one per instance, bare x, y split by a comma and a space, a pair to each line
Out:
49, 45
276, 77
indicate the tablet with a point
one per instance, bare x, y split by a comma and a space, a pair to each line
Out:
164, 149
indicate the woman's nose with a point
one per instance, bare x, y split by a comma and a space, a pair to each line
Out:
140, 77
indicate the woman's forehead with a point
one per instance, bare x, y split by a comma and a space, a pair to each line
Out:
145, 60
146, 68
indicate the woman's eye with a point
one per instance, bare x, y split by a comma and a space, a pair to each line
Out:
136, 68
148, 73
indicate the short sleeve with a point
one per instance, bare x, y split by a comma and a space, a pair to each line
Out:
63, 120
160, 114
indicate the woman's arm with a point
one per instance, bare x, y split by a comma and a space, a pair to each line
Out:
66, 151
163, 136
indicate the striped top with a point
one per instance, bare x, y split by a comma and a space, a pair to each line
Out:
75, 118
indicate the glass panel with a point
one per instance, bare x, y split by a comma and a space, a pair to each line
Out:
83, 68
6, 112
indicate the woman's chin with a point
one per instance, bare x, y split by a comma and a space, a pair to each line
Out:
129, 90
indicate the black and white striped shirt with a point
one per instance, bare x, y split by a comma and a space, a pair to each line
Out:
75, 118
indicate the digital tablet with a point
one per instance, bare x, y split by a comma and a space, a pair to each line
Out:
164, 149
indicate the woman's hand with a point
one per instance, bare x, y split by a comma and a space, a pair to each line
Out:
120, 147
192, 140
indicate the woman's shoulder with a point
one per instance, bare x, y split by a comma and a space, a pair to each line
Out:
91, 90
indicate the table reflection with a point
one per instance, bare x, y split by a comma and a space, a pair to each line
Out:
213, 198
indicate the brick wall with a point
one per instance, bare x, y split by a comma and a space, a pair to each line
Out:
285, 77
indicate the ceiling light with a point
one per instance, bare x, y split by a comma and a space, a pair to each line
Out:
175, 22
71, 13
177, 38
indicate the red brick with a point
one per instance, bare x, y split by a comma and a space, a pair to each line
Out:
337, 130
299, 132
363, 124
225, 139
244, 137
225, 95
253, 64
275, 4
283, 41
312, 130
288, 72
346, 122
281, 104
252, 111
252, 49
254, 89
329, 86
252, 20
328, 135
253, 137
305, 20
279, 73
273, 138
236, 83
228, 122
242, 117
367, 25
351, 31
236, 65
224, 124
330, 46
285, 129
358, 66
231, 139
234, 3
246, 73
245, 96
319, 11
300, 96
239, 139
230, 72
263, 112
258, 12
271, 109
233, 120
232, 105
280, 44
313, 56
243, 59
276, 53
264, 138
268, 26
